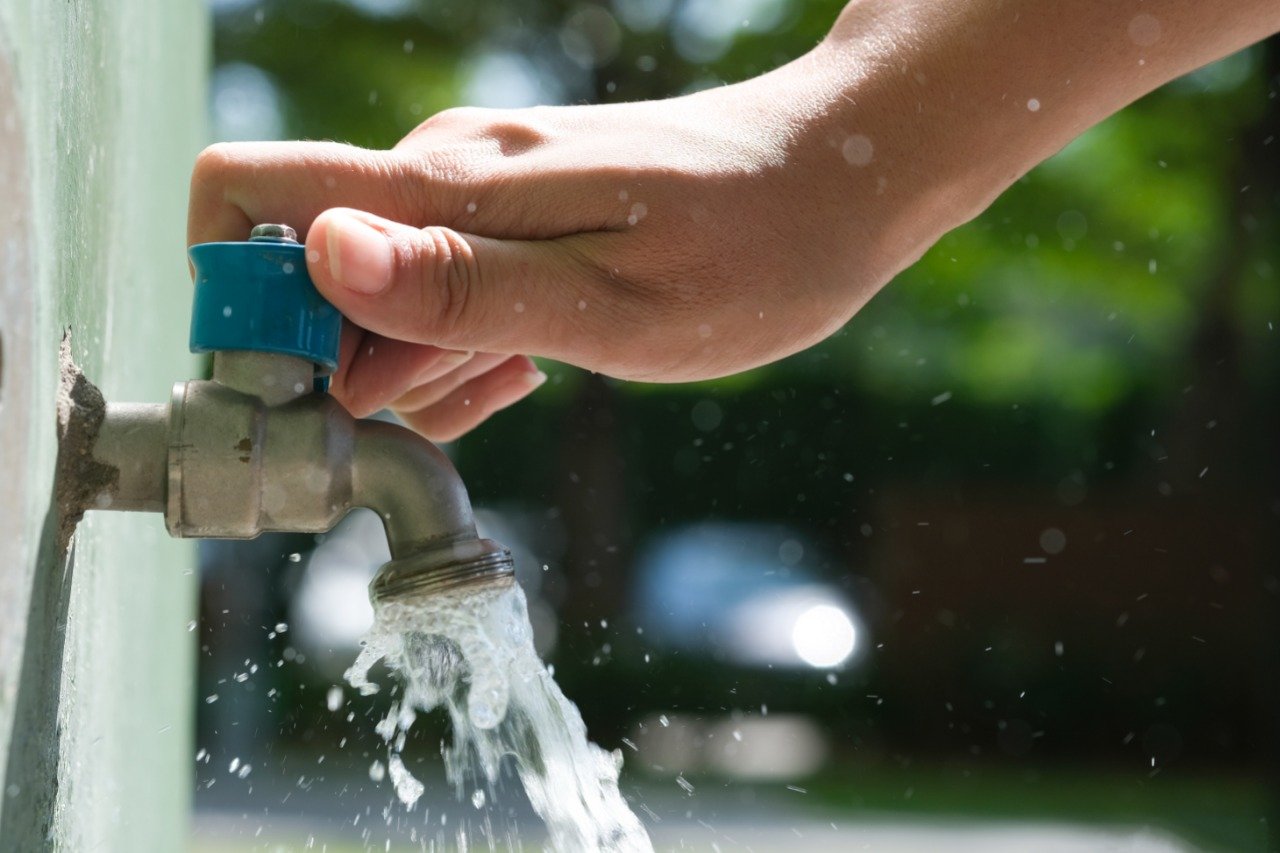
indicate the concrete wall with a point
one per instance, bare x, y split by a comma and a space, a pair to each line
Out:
101, 114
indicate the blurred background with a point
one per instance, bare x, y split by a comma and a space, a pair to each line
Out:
1002, 553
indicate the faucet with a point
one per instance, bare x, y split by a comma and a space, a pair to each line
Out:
261, 446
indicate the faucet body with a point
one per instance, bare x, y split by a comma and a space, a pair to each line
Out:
261, 447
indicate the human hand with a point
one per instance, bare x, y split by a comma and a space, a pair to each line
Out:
662, 241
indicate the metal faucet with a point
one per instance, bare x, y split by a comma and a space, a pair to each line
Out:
263, 447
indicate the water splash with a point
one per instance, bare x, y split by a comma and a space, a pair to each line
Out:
471, 653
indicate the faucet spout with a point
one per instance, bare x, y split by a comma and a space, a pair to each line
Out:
427, 515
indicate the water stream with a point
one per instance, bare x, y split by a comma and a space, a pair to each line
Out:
471, 653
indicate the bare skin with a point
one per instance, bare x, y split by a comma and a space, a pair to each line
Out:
700, 236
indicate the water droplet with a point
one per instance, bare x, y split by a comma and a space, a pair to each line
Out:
857, 150
408, 789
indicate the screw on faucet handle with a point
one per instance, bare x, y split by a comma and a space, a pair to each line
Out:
274, 233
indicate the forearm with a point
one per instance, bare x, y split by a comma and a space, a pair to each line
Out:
941, 104
1043, 72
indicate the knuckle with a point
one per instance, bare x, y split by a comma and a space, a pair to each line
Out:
215, 159
516, 134
463, 115
504, 132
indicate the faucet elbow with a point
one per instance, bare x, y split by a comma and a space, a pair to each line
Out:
411, 485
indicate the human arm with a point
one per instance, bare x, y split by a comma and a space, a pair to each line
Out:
703, 235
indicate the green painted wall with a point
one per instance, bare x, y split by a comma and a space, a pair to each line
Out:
107, 98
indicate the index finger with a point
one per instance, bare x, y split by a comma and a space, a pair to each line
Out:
236, 185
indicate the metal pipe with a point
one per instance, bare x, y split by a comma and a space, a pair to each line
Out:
271, 377
132, 440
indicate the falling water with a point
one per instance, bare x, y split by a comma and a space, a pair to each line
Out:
471, 652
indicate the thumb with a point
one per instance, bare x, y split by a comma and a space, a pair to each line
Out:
439, 286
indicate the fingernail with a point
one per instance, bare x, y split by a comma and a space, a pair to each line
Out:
453, 358
446, 363
516, 389
359, 256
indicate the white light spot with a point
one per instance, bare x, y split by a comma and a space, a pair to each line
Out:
638, 211
519, 306
824, 636
330, 181
333, 700
582, 305
226, 310
706, 415
288, 268
471, 207
313, 256
857, 150
1034, 105
1053, 540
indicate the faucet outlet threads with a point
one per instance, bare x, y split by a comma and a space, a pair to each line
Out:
457, 565
257, 296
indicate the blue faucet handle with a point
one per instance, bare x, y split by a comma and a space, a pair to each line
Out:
256, 295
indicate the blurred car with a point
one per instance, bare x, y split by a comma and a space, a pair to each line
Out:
748, 594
